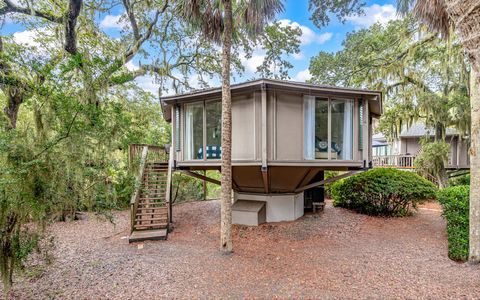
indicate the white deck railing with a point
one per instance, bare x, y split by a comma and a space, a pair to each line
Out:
394, 161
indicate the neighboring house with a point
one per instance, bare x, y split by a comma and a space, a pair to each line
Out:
402, 151
284, 136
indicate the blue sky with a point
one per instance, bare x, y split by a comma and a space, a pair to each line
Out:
297, 11
296, 14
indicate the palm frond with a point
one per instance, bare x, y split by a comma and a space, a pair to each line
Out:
432, 13
257, 14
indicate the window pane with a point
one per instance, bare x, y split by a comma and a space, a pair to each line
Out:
342, 128
214, 131
194, 131
321, 128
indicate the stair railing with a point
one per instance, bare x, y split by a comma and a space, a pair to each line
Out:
155, 154
138, 183
168, 195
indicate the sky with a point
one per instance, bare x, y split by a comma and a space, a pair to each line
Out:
296, 14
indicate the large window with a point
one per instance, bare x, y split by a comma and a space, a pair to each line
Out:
342, 129
193, 130
321, 128
203, 139
213, 130
328, 128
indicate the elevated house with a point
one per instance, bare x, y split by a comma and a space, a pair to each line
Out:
401, 152
284, 136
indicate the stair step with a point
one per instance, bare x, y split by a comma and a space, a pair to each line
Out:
148, 186
151, 219
143, 235
146, 180
146, 226
153, 207
157, 208
152, 214
152, 200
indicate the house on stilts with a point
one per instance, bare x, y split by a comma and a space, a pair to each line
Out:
284, 136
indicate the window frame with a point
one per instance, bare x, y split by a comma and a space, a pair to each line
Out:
329, 128
204, 130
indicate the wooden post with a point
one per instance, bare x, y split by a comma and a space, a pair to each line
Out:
204, 186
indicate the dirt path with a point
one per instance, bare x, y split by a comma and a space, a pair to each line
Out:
337, 254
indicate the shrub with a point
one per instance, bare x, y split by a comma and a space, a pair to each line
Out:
382, 192
455, 210
328, 186
459, 180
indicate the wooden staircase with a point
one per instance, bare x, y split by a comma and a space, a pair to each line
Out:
150, 209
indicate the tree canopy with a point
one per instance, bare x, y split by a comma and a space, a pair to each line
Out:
72, 103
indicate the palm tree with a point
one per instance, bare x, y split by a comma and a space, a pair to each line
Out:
463, 17
221, 21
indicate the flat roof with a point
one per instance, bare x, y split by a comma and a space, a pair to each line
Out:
273, 84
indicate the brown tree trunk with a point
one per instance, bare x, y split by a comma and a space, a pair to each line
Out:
465, 16
474, 220
15, 99
439, 132
442, 177
226, 179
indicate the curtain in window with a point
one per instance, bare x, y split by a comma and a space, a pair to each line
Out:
189, 132
309, 127
177, 128
348, 131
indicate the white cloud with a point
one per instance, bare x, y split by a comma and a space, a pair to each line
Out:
148, 83
308, 35
113, 22
131, 66
253, 62
26, 37
298, 56
42, 38
373, 14
303, 75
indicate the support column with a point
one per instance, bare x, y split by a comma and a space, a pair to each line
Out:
264, 167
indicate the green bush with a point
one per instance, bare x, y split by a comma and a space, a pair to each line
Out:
328, 186
382, 192
455, 210
459, 180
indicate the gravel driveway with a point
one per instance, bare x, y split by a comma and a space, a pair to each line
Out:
336, 254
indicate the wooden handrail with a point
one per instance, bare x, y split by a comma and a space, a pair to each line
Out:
169, 185
156, 153
138, 184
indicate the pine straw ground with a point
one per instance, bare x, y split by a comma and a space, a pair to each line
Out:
336, 254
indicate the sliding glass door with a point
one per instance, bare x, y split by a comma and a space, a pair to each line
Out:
328, 128
213, 130
342, 128
203, 139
